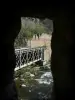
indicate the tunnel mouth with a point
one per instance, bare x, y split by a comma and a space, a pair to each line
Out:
33, 75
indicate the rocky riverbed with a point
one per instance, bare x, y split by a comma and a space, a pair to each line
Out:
34, 83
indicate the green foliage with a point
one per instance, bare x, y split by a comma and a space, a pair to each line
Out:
39, 29
18, 83
30, 28
27, 33
25, 74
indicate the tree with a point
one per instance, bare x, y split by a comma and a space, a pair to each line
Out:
29, 28
39, 30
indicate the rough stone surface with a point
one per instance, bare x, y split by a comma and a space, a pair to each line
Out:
62, 57
62, 48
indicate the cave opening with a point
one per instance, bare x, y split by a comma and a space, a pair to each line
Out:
33, 75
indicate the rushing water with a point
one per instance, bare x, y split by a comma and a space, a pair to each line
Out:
46, 78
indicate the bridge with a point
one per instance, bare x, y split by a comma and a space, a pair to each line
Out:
28, 56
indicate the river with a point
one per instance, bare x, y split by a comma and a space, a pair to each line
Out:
41, 90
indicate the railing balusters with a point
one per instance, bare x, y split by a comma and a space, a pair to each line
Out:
22, 55
27, 57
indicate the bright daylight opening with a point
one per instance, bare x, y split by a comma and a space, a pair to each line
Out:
33, 55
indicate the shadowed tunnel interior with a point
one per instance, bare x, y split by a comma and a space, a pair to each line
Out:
62, 45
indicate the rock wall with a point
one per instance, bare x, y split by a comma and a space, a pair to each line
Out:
62, 45
44, 40
62, 56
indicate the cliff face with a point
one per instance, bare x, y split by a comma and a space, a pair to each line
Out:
62, 60
44, 40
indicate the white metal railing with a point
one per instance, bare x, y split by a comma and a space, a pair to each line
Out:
26, 56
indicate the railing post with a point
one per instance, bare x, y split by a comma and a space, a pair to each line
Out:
41, 53
38, 53
20, 58
20, 67
42, 50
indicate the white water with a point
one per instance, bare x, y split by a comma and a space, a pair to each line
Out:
46, 78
